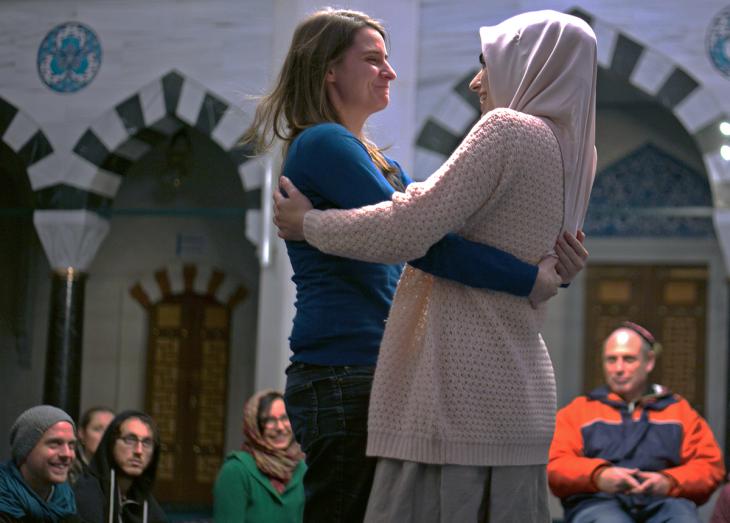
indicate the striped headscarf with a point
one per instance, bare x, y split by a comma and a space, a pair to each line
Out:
277, 464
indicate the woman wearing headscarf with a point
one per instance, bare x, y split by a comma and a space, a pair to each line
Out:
468, 437
117, 487
262, 483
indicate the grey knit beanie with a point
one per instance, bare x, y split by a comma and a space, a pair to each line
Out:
30, 427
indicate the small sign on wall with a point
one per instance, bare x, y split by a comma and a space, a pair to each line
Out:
69, 57
191, 246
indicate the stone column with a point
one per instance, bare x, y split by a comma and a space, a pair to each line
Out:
70, 239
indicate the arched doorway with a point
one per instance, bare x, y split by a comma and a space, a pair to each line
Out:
187, 367
177, 190
22, 146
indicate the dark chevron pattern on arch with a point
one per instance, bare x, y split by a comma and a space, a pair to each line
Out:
7, 114
436, 138
626, 54
28, 150
131, 114
678, 86
141, 135
35, 148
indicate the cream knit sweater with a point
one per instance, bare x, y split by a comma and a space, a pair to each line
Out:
463, 375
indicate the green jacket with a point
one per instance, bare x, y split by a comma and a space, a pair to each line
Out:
242, 493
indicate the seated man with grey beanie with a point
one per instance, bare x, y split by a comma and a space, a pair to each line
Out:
33, 486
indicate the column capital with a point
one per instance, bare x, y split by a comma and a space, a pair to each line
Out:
70, 238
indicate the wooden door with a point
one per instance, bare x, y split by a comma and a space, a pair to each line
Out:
671, 301
187, 368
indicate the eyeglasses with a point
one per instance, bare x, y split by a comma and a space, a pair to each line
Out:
271, 422
131, 442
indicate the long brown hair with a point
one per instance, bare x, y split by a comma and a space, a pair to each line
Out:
299, 98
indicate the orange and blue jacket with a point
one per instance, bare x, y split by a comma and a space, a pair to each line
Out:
661, 432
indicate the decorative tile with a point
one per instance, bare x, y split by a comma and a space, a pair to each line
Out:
117, 164
85, 175
211, 112
152, 100
582, 15
110, 130
171, 86
709, 138
253, 226
717, 40
626, 56
455, 114
131, 113
677, 87
69, 57
678, 198
35, 149
719, 172
91, 148
134, 149
7, 113
435, 137
252, 199
151, 136
48, 171
251, 173
191, 100
231, 127
426, 162
606, 37
651, 71
697, 109
461, 88
241, 153
20, 131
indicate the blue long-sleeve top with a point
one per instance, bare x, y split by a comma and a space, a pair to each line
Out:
342, 304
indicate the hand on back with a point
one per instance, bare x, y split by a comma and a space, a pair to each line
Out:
572, 255
552, 271
289, 210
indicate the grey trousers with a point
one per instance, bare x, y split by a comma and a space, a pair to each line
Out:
405, 491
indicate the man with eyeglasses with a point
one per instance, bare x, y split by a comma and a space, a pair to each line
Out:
118, 485
630, 450
33, 484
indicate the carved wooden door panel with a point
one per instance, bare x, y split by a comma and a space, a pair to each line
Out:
671, 301
186, 393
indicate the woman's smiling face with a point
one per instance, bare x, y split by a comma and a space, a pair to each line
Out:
480, 85
276, 428
359, 82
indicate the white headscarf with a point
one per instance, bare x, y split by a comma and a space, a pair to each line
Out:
543, 63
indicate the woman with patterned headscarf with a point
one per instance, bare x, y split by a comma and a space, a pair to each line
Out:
262, 483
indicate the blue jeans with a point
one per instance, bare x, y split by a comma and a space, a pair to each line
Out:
674, 510
328, 409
